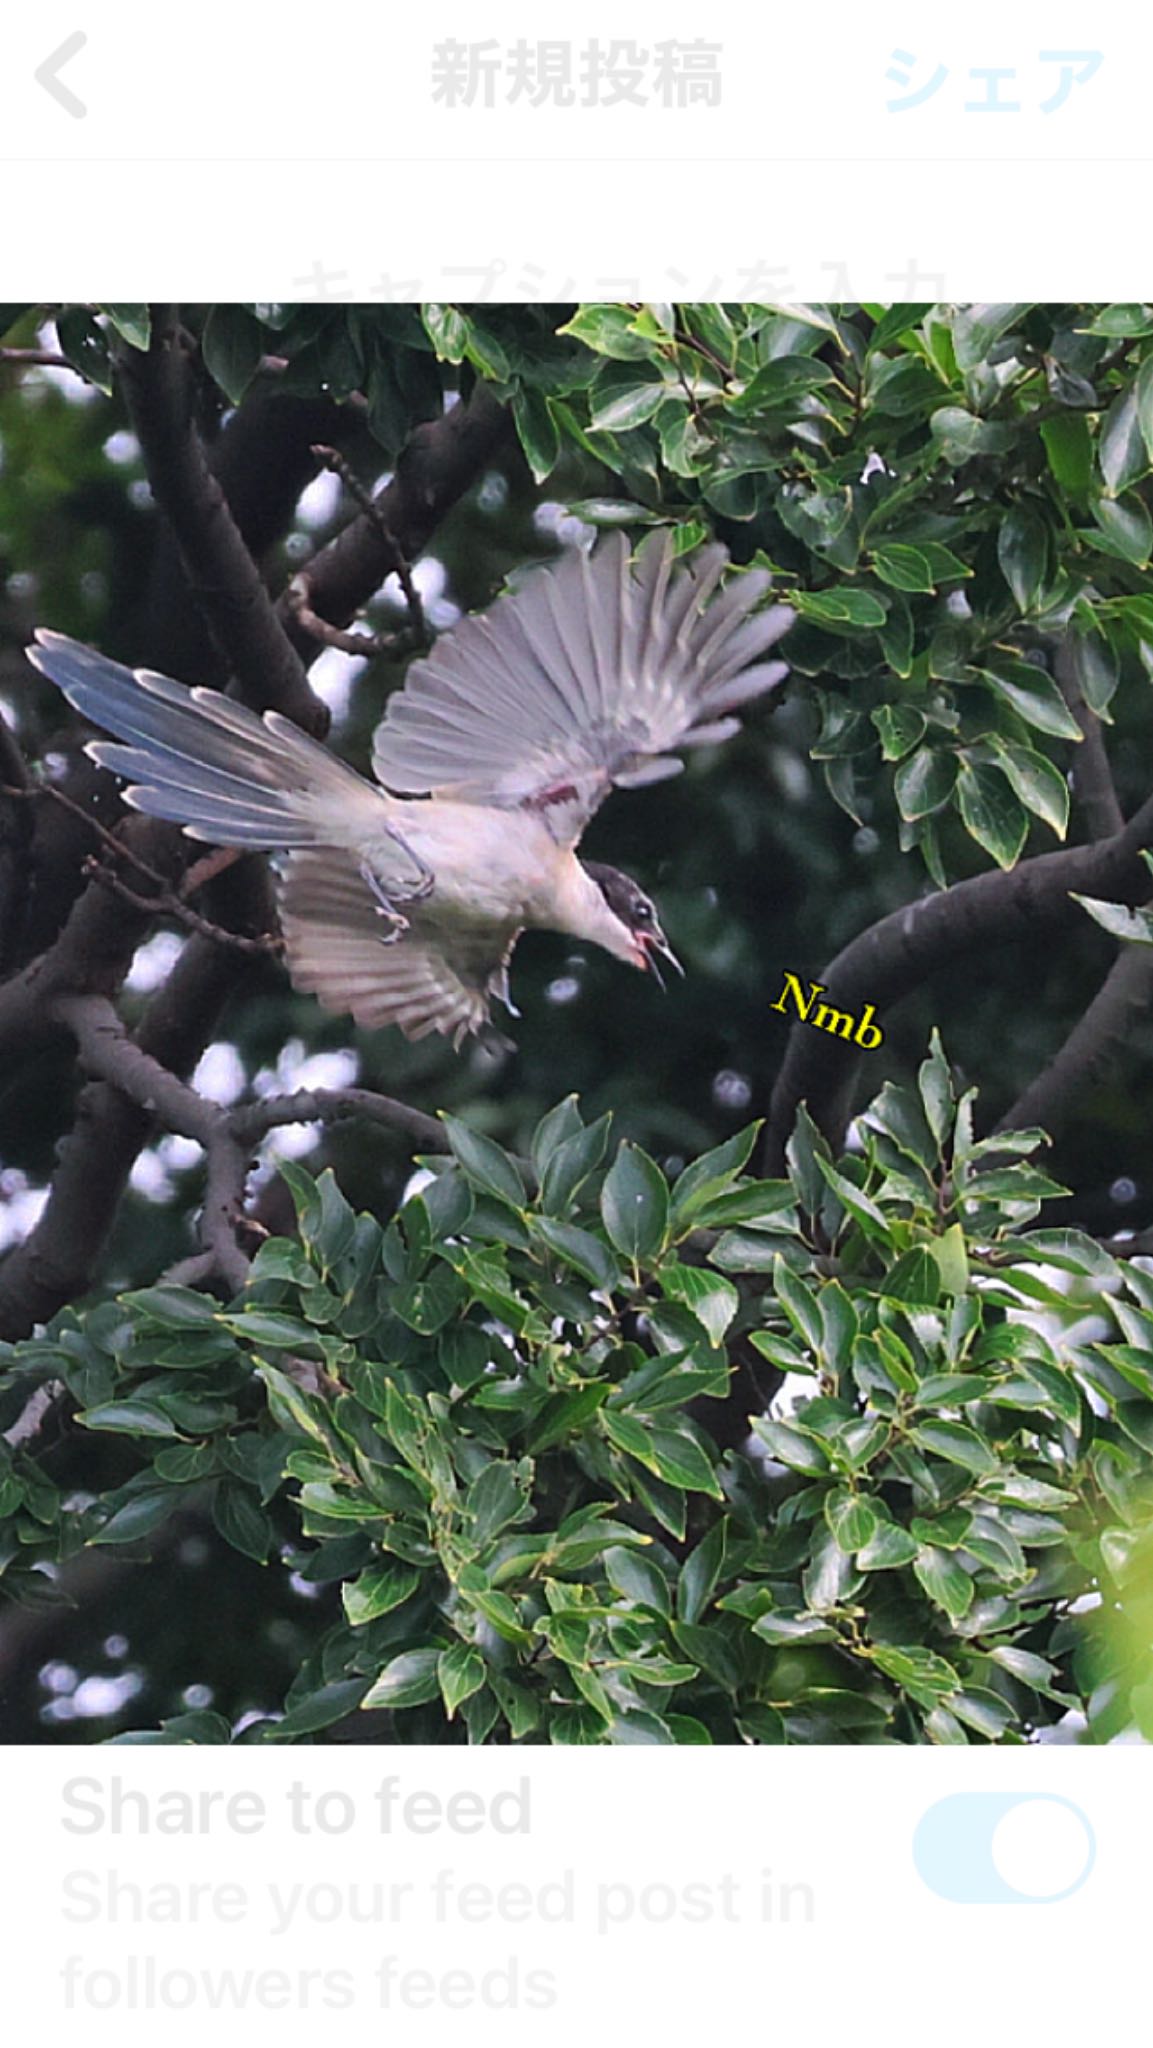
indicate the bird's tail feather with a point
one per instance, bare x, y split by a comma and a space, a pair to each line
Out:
202, 761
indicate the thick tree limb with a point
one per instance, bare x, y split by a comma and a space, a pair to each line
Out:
15, 837
107, 1052
337, 1105
1093, 783
228, 586
60, 1257
91, 955
1092, 1048
899, 952
1098, 1039
436, 466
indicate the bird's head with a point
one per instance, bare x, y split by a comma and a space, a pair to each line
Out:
646, 943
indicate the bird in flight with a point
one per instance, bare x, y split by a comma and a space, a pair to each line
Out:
402, 900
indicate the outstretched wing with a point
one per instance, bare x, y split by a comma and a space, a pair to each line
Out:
591, 674
339, 949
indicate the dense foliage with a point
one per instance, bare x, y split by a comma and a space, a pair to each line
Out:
593, 1432
480, 1420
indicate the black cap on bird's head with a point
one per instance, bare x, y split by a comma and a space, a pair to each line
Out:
627, 901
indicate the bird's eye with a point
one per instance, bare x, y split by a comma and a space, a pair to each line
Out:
644, 913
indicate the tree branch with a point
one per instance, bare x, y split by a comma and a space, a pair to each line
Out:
899, 952
1092, 1048
336, 1105
1093, 783
437, 464
109, 1054
1099, 1037
59, 1258
222, 573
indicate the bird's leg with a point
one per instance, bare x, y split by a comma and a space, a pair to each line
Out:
415, 892
384, 908
426, 883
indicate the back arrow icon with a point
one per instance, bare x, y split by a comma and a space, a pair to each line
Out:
46, 74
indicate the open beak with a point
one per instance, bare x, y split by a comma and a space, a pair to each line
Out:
653, 947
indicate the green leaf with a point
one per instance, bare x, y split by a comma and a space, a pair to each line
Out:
274, 1331
905, 567
378, 1591
556, 1125
132, 323
611, 330
709, 1176
935, 1082
1034, 780
174, 1308
1118, 919
840, 607
888, 1549
852, 1520
1096, 668
958, 1443
460, 1673
447, 330
854, 1199
958, 434
409, 1680
232, 346
700, 1573
1033, 695
484, 1162
794, 1628
946, 1582
129, 1418
571, 1163
1122, 322
925, 781
1121, 449
1023, 552
636, 1578
565, 1415
427, 1305
537, 432
494, 1499
675, 1457
713, 1300
977, 327
798, 1301
924, 1675
1144, 394
139, 1516
635, 1205
915, 1276
620, 399
991, 813
241, 1520
1126, 528
320, 1709
1069, 449
84, 342
901, 728
789, 1447
579, 1249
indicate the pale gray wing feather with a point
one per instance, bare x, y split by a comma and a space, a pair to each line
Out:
226, 775
338, 949
598, 670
